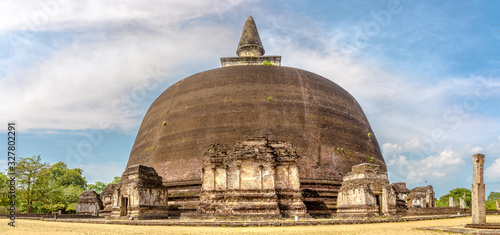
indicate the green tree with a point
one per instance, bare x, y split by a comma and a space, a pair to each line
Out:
98, 187
116, 180
4, 191
456, 194
61, 188
45, 188
61, 175
28, 170
491, 202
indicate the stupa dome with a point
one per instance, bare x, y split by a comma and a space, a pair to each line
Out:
253, 96
323, 121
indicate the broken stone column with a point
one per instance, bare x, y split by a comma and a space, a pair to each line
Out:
478, 190
451, 202
462, 203
498, 206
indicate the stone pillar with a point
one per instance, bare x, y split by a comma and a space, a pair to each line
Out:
478, 190
451, 202
462, 203
498, 205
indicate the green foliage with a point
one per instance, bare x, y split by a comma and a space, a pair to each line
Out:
490, 202
71, 208
371, 159
164, 123
369, 135
98, 187
43, 188
265, 62
61, 175
116, 180
3, 210
269, 98
456, 194
28, 170
4, 190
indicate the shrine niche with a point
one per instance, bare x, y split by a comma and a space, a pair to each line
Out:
256, 177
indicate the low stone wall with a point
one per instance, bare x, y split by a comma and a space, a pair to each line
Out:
493, 212
301, 222
50, 216
436, 210
26, 215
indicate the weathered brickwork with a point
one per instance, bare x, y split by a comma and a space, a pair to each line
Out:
256, 177
244, 99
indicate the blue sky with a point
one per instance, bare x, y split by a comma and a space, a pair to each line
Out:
78, 77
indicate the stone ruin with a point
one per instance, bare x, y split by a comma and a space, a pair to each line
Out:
255, 178
365, 191
402, 194
462, 203
451, 202
89, 203
478, 190
422, 197
140, 195
107, 199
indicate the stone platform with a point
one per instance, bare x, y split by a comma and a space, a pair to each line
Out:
248, 223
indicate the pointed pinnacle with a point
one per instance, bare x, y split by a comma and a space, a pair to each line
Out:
250, 44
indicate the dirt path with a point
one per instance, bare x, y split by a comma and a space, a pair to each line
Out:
26, 227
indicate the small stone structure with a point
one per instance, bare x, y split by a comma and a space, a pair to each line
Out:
402, 194
256, 177
89, 203
365, 191
422, 197
250, 50
451, 202
478, 190
140, 195
462, 203
107, 199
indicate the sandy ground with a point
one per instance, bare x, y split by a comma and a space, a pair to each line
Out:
26, 227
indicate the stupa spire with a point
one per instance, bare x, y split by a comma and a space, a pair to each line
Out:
250, 44
250, 50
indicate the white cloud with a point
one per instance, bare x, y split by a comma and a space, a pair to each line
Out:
492, 173
494, 148
389, 149
413, 145
66, 14
101, 78
475, 150
416, 168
